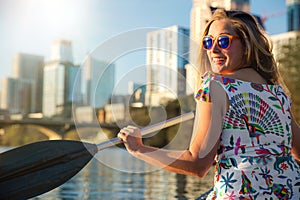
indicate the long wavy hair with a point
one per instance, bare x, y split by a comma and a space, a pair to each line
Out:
257, 45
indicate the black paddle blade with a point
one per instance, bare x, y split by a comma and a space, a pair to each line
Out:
36, 168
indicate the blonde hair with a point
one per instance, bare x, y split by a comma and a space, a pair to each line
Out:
257, 45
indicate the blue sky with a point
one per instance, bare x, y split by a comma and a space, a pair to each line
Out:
30, 26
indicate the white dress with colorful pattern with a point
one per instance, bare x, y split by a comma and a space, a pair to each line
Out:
254, 160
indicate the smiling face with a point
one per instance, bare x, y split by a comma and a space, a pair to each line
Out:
225, 61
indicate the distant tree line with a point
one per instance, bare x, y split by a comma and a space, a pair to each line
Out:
150, 115
289, 66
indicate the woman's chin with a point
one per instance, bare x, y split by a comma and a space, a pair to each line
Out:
217, 69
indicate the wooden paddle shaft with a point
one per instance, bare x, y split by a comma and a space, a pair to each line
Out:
150, 129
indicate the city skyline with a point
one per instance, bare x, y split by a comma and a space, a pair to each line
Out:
87, 28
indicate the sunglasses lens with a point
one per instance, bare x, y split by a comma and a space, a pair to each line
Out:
207, 42
223, 41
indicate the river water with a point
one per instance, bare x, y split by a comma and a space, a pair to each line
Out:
114, 174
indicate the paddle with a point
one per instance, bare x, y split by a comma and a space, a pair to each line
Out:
36, 168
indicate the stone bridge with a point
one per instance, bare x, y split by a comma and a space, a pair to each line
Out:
55, 129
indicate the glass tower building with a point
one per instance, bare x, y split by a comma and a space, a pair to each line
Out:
60, 75
167, 54
98, 82
293, 11
22, 93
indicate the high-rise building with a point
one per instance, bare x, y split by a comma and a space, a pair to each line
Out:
167, 54
230, 4
61, 50
28, 69
293, 11
59, 82
16, 95
8, 100
60, 77
99, 78
200, 14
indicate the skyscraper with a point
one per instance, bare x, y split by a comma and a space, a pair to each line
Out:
27, 69
167, 54
99, 78
230, 4
61, 50
60, 75
293, 9
16, 95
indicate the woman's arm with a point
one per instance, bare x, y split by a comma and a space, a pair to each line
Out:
295, 140
198, 159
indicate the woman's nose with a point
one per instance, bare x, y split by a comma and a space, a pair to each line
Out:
215, 47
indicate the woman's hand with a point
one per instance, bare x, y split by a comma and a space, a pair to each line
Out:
131, 136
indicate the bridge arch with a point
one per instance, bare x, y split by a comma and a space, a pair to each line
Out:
56, 130
52, 135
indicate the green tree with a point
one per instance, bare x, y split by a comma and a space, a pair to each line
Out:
289, 66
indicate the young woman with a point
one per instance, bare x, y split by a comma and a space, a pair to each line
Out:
243, 118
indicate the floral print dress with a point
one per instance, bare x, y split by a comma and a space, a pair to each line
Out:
254, 160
